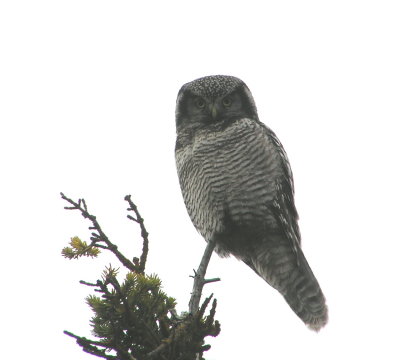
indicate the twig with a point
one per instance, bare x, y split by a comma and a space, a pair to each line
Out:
207, 281
89, 346
87, 283
210, 317
101, 236
83, 339
199, 280
144, 233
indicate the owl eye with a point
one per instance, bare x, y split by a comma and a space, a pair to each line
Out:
227, 101
200, 103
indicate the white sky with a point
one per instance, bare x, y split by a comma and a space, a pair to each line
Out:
87, 98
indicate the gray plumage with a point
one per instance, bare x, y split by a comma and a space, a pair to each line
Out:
237, 185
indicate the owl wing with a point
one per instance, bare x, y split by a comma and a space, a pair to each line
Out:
283, 206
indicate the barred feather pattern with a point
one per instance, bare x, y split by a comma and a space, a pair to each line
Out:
237, 185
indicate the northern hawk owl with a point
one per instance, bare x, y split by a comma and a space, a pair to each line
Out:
237, 185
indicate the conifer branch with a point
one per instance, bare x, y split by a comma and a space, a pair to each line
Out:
90, 346
135, 318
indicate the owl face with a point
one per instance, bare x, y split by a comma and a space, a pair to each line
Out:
213, 101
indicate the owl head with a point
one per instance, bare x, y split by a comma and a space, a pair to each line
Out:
213, 101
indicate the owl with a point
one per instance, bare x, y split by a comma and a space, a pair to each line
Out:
237, 186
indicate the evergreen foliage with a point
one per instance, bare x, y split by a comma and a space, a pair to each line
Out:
135, 319
79, 248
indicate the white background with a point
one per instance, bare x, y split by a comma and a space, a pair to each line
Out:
87, 102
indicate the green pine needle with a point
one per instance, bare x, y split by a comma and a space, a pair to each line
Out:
79, 248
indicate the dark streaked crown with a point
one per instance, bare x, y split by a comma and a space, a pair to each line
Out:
213, 86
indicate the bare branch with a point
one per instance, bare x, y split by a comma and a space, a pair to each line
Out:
100, 236
144, 233
199, 281
83, 282
207, 281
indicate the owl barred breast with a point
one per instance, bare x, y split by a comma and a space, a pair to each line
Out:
238, 189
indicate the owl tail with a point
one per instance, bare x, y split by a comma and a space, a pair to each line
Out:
288, 272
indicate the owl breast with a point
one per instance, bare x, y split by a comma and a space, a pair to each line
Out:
228, 177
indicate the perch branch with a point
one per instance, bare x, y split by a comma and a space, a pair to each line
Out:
199, 280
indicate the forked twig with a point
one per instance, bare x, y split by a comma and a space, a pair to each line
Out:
98, 236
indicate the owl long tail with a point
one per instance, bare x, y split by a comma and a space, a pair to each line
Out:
288, 272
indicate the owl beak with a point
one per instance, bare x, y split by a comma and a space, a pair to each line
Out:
213, 111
